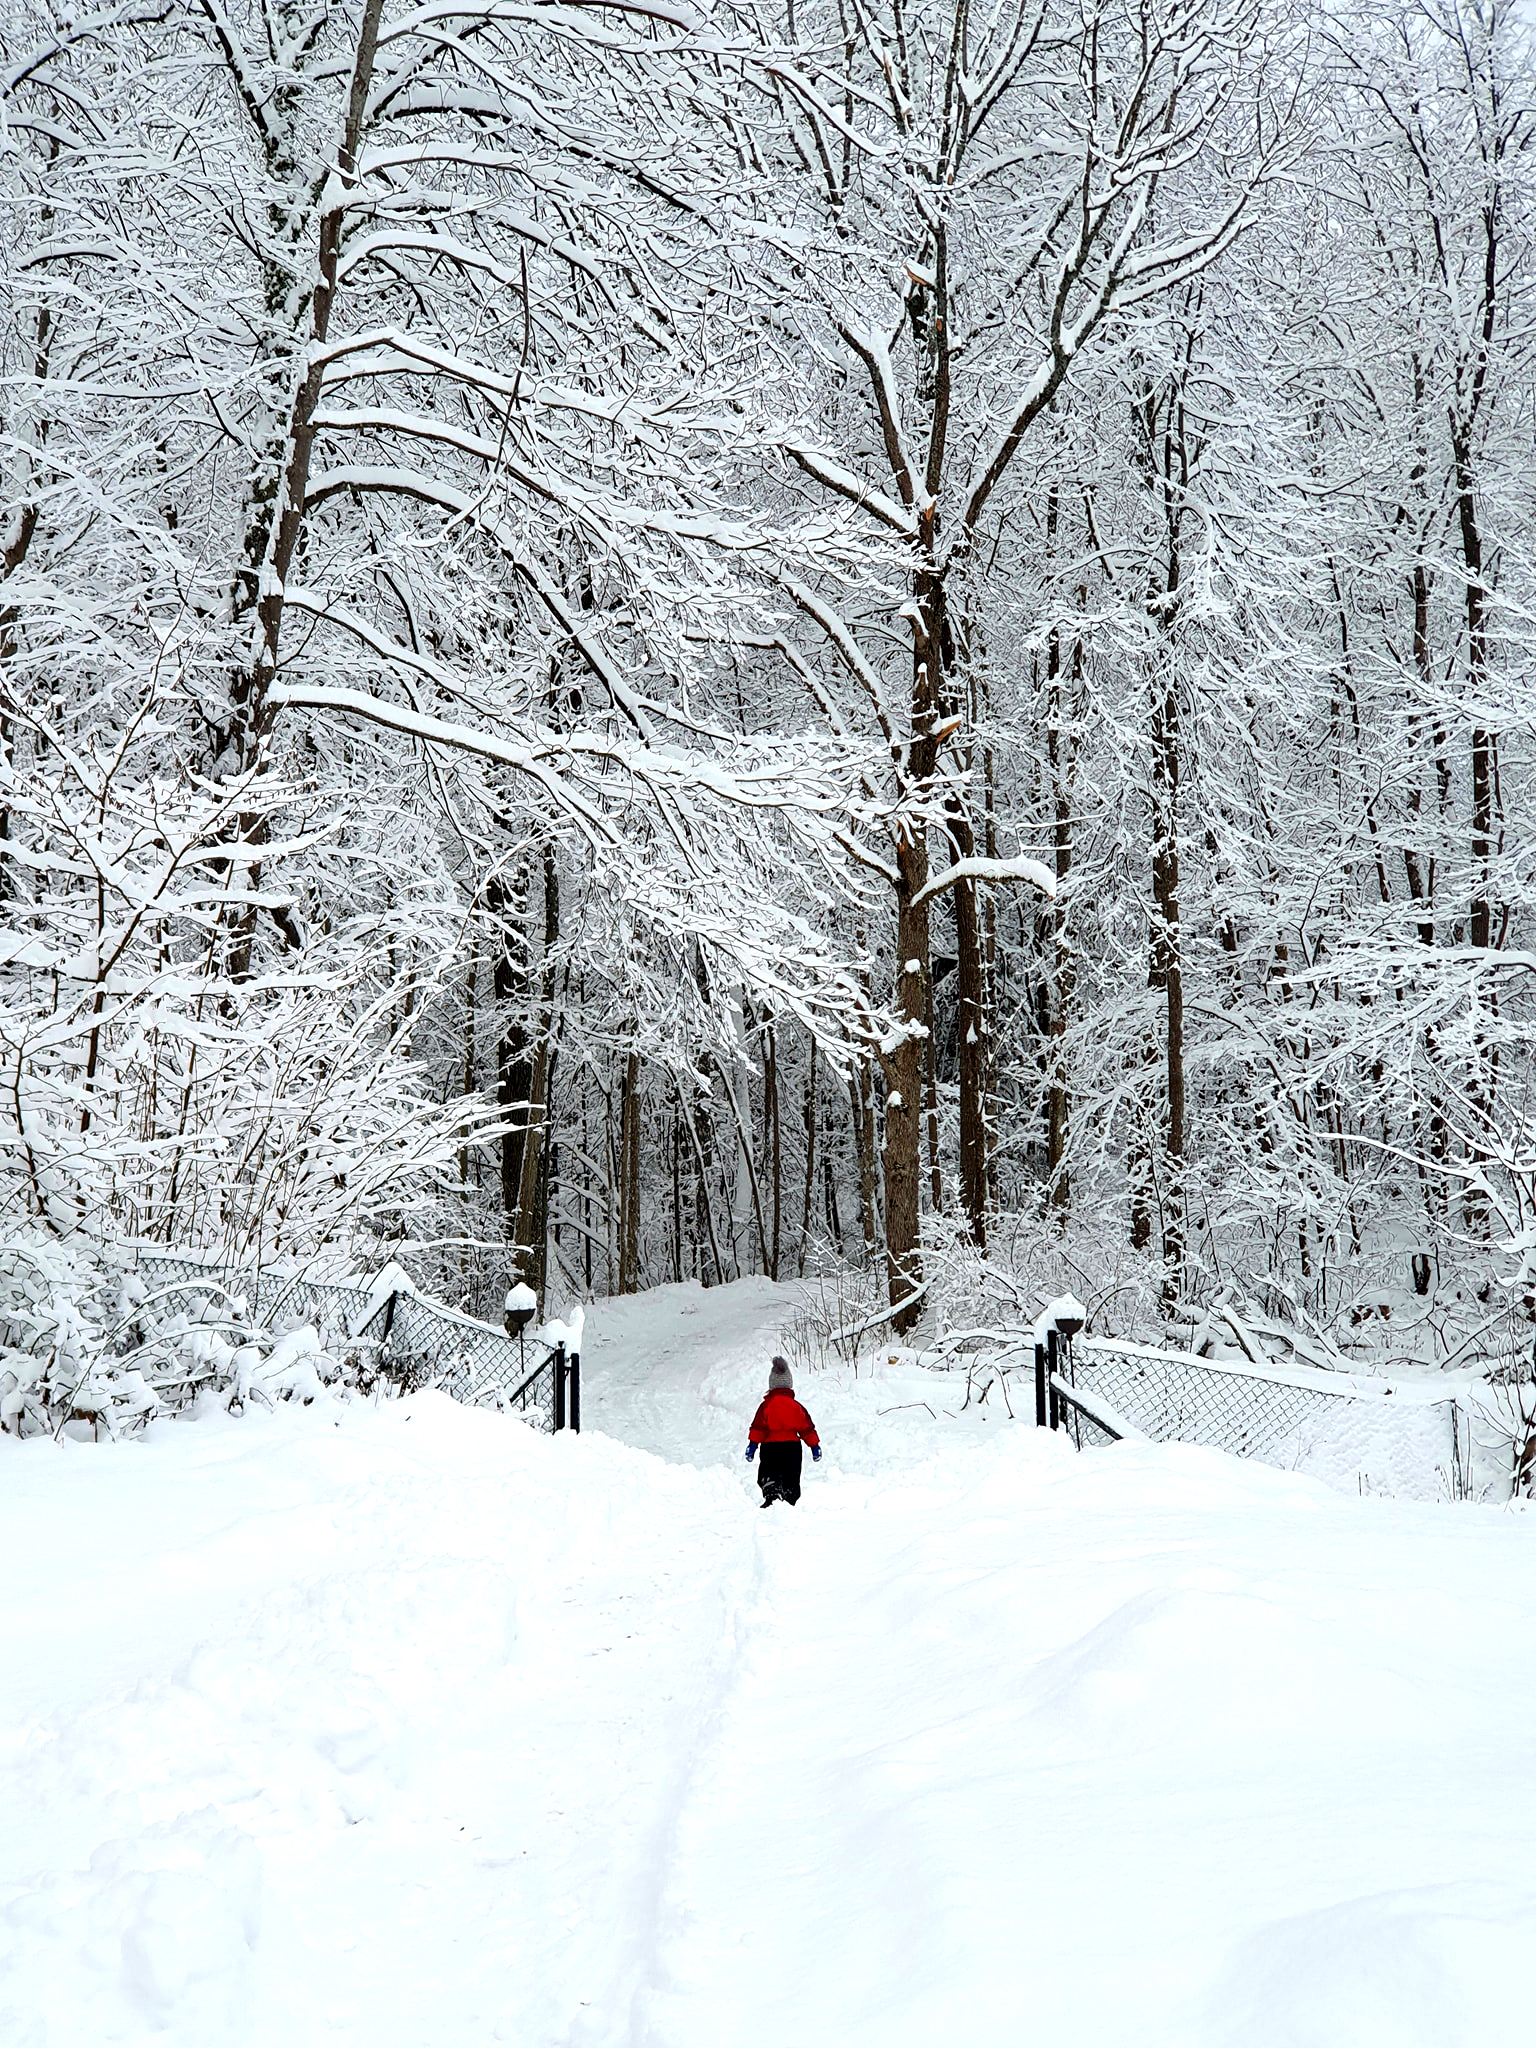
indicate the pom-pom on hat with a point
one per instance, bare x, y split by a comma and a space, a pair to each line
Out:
781, 1376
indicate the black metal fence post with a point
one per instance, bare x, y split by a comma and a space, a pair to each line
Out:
559, 1386
575, 1372
1050, 1374
1040, 1407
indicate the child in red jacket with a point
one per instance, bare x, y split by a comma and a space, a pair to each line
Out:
779, 1428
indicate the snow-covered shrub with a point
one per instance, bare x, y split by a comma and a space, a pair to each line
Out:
841, 1319
89, 1349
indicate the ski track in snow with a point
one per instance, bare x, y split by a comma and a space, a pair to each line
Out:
403, 1726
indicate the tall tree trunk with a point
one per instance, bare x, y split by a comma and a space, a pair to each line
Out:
1432, 1134
931, 1105
1480, 924
1167, 456
810, 1154
1482, 913
990, 1103
278, 531
1061, 754
746, 1164
771, 1143
902, 1150
972, 1033
514, 1063
1168, 969
13, 553
467, 1084
587, 1205
904, 1063
699, 1134
533, 1178
861, 1097
677, 1198
1139, 1152
629, 1178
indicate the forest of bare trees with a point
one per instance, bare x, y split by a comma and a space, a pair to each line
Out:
877, 638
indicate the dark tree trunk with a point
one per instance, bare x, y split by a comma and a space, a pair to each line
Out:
771, 1144
902, 1149
861, 1096
274, 542
913, 1006
698, 1129
971, 1030
1061, 748
677, 1198
468, 1081
1168, 970
1139, 1159
1167, 455
514, 1061
810, 1153
989, 1084
629, 1178
931, 1105
533, 1178
1482, 913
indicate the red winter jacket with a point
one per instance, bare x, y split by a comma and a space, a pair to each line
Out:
781, 1420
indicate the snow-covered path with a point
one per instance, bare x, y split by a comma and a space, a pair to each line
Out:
405, 1727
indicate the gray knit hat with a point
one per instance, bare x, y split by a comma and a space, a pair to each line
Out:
781, 1376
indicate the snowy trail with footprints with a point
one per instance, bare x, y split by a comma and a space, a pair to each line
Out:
402, 1726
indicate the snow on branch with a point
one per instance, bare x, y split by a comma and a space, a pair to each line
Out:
1019, 869
836, 478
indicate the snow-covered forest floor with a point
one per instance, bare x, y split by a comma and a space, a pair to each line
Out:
401, 1725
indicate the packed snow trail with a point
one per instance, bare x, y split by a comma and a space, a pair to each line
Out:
405, 1727
680, 1370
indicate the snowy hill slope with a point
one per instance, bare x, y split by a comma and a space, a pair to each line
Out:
403, 1726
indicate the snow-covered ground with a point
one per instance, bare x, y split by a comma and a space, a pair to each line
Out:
680, 1370
404, 1726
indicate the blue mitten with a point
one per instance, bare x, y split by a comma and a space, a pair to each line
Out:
751, 1452
815, 1454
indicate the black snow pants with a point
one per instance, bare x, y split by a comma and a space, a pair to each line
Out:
778, 1472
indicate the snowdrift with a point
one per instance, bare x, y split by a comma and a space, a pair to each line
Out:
401, 1724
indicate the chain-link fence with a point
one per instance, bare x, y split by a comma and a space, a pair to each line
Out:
478, 1364
1170, 1394
265, 1300
402, 1336
472, 1276
1292, 1417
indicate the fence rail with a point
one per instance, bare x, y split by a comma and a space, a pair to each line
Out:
1087, 1420
412, 1340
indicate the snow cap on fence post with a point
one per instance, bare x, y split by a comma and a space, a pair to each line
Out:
390, 1279
1066, 1314
517, 1314
567, 1333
